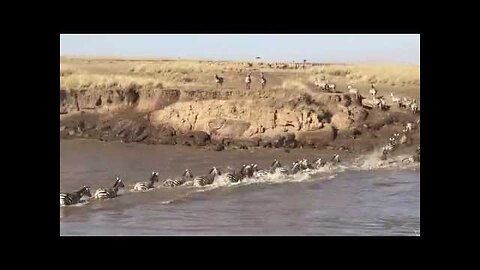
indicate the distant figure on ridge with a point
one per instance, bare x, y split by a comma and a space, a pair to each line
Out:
219, 81
248, 80
263, 81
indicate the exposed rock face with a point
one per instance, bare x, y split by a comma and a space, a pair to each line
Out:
196, 117
317, 138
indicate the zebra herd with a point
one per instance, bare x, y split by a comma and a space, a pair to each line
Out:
401, 138
250, 171
248, 80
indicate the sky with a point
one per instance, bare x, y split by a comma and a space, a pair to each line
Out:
402, 49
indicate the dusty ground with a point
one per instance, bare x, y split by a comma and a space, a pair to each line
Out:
177, 102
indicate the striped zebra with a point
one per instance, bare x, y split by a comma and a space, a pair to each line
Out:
107, 193
74, 197
234, 176
258, 172
248, 80
218, 80
305, 164
263, 81
276, 164
187, 175
318, 163
336, 158
296, 167
281, 170
247, 171
141, 186
207, 179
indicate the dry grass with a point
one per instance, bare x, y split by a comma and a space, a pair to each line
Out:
104, 72
380, 74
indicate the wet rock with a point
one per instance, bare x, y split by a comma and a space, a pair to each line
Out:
219, 147
71, 132
200, 138
317, 138
252, 142
290, 141
162, 135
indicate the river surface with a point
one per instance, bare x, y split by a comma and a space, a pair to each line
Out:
339, 200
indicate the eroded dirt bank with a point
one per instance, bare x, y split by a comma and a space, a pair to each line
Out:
229, 118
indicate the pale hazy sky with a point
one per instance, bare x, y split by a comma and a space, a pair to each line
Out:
316, 48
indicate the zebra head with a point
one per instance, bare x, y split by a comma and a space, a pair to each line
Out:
255, 167
154, 177
276, 164
187, 173
215, 171
85, 191
118, 183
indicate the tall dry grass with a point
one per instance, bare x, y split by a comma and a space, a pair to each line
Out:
374, 73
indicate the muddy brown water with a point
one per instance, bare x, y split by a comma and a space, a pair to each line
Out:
340, 201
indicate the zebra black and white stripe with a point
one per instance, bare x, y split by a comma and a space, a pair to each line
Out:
318, 163
281, 170
247, 171
207, 179
258, 172
108, 193
186, 176
234, 176
276, 164
336, 158
141, 186
296, 167
74, 197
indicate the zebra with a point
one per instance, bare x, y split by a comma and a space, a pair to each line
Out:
263, 81
107, 193
218, 80
296, 167
373, 91
384, 154
394, 99
140, 186
318, 163
74, 197
247, 171
414, 106
409, 126
258, 172
187, 175
235, 176
248, 80
353, 90
207, 179
336, 158
305, 164
330, 86
275, 164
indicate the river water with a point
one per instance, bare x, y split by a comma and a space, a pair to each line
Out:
355, 198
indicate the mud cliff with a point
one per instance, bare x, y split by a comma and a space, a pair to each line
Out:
268, 118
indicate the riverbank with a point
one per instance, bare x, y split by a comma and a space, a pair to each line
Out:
177, 103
